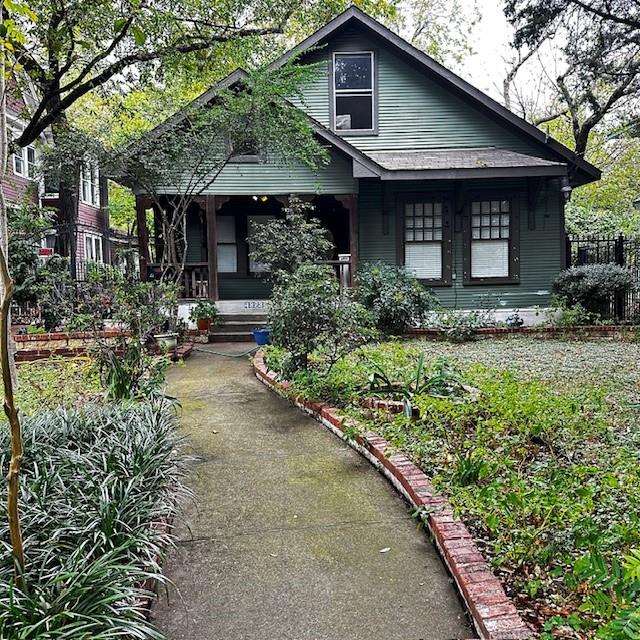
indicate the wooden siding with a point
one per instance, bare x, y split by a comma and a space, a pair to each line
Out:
540, 248
272, 178
242, 288
414, 110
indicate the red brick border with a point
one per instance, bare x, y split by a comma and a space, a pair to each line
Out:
582, 330
494, 615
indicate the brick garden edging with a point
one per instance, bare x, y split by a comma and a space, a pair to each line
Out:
39, 346
494, 615
595, 330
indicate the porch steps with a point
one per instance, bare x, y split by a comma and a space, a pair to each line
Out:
237, 327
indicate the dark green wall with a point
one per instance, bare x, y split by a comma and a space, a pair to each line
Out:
540, 247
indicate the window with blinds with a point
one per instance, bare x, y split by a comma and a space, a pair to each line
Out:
423, 239
490, 231
227, 246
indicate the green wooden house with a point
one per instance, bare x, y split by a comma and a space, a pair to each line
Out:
426, 171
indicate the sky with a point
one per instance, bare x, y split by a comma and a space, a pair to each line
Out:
490, 39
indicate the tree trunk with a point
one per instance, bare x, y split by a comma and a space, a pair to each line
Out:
68, 192
7, 360
4, 236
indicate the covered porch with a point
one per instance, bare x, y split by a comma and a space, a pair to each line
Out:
217, 264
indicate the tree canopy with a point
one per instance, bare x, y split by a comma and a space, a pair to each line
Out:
599, 77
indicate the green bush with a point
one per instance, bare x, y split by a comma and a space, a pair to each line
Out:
309, 314
284, 244
571, 316
397, 301
93, 484
591, 285
204, 310
460, 326
128, 372
146, 308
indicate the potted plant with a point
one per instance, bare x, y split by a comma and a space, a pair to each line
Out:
204, 314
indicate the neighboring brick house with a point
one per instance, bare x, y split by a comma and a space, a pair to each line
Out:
95, 241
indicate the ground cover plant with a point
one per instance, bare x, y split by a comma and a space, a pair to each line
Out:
543, 465
94, 482
46, 384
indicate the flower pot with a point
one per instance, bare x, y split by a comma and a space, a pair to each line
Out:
204, 324
262, 336
166, 341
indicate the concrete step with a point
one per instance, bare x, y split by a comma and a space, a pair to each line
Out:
258, 318
240, 325
231, 336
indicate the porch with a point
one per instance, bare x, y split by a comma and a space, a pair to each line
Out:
217, 242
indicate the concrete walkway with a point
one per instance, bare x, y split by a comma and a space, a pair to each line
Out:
285, 541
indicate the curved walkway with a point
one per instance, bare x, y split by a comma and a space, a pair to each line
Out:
285, 541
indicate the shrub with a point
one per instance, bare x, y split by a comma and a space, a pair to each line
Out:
95, 482
128, 372
571, 316
146, 308
308, 314
460, 326
204, 310
397, 301
591, 285
283, 245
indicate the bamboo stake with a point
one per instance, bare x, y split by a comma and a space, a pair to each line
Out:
13, 476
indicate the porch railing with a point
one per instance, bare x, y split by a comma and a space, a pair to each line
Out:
194, 283
342, 267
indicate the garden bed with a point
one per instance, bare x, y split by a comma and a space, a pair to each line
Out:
98, 487
543, 467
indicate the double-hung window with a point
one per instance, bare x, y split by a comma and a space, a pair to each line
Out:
492, 237
353, 91
93, 248
427, 240
227, 246
24, 162
90, 184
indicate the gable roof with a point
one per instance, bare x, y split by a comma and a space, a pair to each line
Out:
486, 162
355, 16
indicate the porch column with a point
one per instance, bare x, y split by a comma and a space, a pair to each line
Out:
142, 204
354, 227
212, 247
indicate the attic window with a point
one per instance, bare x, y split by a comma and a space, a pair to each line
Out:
353, 80
244, 148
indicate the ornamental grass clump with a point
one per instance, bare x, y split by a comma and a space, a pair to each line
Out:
96, 486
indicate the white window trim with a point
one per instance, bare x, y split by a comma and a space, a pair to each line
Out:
94, 181
337, 92
96, 240
24, 157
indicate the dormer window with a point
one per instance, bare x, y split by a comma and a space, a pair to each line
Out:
353, 90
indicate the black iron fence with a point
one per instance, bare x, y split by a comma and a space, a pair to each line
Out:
621, 251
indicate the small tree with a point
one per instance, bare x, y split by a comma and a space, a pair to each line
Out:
177, 164
283, 245
307, 314
27, 226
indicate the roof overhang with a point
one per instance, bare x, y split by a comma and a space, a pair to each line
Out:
583, 173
